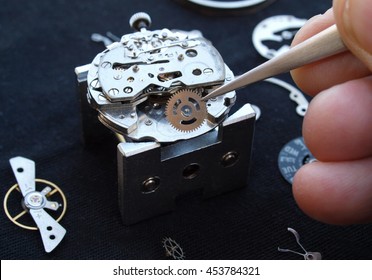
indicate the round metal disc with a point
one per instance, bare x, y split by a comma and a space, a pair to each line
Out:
292, 156
227, 4
273, 35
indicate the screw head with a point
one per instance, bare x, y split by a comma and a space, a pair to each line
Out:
229, 159
128, 90
150, 184
34, 200
113, 91
106, 64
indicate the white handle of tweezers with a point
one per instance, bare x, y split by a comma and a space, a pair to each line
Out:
322, 45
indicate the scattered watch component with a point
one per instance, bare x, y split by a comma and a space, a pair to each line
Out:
227, 5
173, 249
35, 202
148, 90
112, 36
273, 35
98, 38
292, 156
307, 255
294, 94
106, 40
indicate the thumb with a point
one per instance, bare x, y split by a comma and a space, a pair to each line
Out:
354, 22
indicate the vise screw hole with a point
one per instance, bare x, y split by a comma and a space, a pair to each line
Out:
191, 171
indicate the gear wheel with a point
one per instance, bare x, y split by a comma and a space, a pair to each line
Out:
173, 249
185, 110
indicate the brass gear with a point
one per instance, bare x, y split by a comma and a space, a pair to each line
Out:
185, 110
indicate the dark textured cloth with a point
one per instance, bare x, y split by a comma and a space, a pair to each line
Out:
41, 44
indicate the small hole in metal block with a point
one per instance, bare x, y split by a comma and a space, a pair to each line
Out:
150, 185
230, 159
191, 171
196, 72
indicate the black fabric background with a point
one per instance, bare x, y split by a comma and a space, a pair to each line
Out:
41, 44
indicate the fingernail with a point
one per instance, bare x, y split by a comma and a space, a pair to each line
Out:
356, 16
346, 16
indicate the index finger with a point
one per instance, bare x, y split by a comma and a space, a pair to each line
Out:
334, 70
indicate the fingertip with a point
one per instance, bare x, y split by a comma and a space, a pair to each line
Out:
301, 78
353, 19
343, 67
335, 193
309, 197
313, 26
337, 125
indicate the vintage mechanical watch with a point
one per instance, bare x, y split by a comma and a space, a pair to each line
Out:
147, 90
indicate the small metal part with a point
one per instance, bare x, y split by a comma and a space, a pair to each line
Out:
292, 156
112, 36
173, 249
98, 38
227, 5
150, 184
273, 35
185, 111
307, 255
139, 21
230, 159
294, 94
35, 202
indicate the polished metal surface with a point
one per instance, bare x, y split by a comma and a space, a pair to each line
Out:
275, 31
152, 176
132, 81
147, 89
34, 201
227, 5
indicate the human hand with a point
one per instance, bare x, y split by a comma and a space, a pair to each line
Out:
337, 127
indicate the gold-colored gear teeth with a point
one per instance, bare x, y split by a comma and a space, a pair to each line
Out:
185, 110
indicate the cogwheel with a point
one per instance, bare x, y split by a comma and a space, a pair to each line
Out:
172, 249
140, 20
185, 110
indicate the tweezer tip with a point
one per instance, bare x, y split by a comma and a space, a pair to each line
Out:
212, 94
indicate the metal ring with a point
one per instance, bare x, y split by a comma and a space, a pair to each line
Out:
228, 5
14, 219
294, 94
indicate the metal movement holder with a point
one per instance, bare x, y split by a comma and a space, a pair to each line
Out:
152, 175
147, 90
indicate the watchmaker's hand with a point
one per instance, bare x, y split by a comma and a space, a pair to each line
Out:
338, 125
